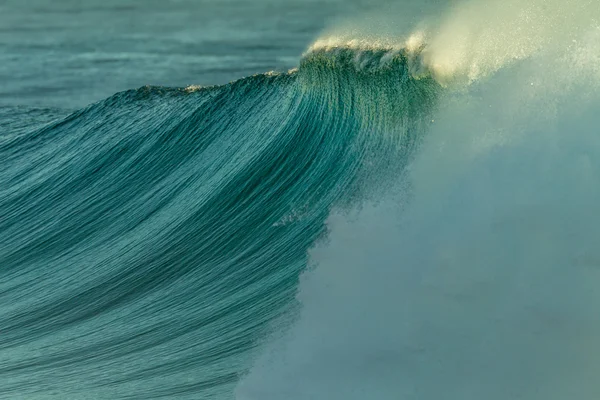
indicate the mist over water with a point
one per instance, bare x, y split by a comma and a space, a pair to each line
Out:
476, 275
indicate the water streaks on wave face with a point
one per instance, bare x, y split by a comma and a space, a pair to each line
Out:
147, 240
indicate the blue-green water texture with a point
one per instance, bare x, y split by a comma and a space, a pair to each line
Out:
148, 240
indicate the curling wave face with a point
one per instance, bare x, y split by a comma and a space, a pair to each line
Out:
147, 240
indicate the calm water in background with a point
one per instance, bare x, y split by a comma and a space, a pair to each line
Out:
69, 53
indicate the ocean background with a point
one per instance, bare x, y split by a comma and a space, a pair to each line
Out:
71, 53
299, 199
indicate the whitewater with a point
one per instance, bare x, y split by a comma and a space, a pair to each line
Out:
411, 213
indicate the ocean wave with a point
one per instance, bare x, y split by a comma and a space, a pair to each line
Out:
148, 240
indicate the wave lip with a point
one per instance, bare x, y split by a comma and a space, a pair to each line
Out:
372, 55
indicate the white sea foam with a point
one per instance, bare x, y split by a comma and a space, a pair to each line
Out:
477, 38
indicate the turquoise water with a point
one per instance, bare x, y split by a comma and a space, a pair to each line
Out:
404, 207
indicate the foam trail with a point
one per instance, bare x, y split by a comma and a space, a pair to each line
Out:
478, 276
